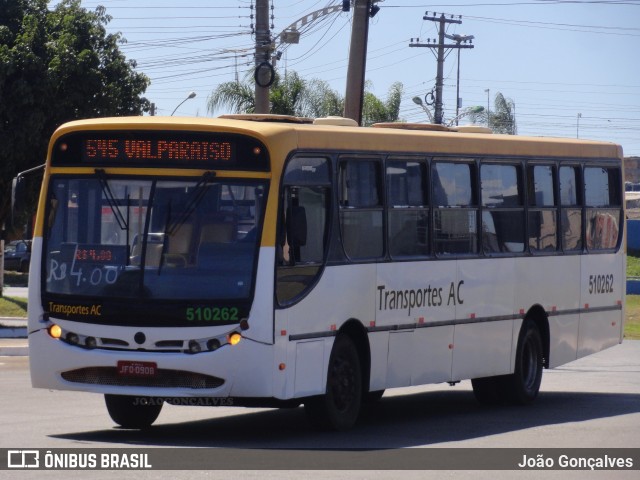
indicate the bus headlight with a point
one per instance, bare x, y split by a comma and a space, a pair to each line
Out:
55, 331
213, 344
194, 347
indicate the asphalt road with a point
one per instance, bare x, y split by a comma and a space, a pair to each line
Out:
591, 403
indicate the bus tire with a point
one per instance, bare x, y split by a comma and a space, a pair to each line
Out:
133, 412
524, 383
339, 407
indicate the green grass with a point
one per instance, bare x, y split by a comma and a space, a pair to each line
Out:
633, 264
632, 318
13, 307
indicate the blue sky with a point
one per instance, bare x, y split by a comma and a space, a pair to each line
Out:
555, 59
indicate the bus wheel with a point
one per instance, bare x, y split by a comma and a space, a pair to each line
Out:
133, 412
524, 382
339, 407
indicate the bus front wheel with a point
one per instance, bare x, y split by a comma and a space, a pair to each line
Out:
339, 407
524, 382
133, 412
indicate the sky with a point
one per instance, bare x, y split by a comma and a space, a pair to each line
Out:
572, 67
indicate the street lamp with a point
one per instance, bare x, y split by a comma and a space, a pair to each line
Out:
418, 101
488, 108
191, 95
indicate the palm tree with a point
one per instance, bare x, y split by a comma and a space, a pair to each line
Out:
503, 117
375, 110
322, 100
238, 97
288, 96
292, 95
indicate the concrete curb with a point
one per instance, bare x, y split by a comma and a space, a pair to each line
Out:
14, 347
11, 327
13, 337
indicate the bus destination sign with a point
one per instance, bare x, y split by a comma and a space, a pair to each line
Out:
156, 149
152, 148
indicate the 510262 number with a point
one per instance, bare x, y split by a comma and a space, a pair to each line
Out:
212, 314
600, 284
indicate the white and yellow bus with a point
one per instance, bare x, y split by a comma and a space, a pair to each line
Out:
272, 261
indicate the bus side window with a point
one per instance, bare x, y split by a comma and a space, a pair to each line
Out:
455, 208
408, 213
361, 208
542, 209
303, 226
603, 202
502, 208
570, 209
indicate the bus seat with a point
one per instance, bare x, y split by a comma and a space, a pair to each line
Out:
214, 237
179, 246
153, 253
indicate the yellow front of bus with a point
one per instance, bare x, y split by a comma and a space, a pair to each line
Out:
152, 271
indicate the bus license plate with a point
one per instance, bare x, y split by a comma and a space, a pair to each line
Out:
137, 369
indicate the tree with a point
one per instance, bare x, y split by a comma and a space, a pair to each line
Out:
375, 110
56, 66
237, 96
292, 95
322, 100
288, 95
503, 117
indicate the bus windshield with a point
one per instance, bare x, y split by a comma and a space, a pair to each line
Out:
169, 238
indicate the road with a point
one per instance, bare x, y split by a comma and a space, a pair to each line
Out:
593, 402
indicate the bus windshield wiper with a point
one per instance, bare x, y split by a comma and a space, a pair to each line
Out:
111, 200
195, 197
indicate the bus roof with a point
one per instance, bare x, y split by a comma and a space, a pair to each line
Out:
406, 139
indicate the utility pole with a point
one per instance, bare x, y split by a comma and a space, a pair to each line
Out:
440, 46
264, 73
354, 94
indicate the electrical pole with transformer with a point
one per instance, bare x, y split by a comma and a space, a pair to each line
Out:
440, 46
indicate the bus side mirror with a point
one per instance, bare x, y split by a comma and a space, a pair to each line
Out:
18, 196
297, 226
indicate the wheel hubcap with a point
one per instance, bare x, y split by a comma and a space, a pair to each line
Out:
343, 383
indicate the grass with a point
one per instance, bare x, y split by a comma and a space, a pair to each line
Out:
633, 264
632, 318
13, 307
